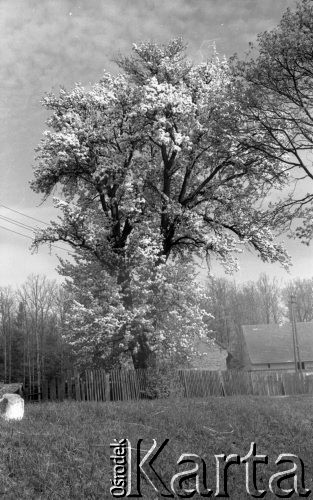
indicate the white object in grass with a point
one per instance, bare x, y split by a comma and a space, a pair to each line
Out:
11, 407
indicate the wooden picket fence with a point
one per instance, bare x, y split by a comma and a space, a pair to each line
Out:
92, 385
123, 385
198, 383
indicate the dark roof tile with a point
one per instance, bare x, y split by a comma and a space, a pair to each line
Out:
273, 343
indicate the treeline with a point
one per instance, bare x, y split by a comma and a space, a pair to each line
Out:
32, 328
262, 301
35, 321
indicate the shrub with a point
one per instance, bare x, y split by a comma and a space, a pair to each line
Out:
162, 381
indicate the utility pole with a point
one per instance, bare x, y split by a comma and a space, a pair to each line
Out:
298, 366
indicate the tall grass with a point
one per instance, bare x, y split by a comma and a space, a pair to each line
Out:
61, 450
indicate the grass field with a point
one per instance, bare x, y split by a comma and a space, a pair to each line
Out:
61, 450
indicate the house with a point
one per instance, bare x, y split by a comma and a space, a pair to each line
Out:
211, 356
270, 347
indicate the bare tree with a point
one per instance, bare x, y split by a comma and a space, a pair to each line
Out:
233, 305
302, 290
37, 295
277, 75
7, 309
269, 298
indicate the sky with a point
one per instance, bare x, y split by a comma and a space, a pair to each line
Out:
51, 43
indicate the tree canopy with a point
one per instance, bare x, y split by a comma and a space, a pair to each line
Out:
153, 168
277, 76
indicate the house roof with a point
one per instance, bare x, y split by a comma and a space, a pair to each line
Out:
204, 347
210, 356
274, 343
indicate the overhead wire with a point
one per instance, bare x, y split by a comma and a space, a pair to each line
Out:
27, 227
23, 214
30, 238
16, 223
16, 232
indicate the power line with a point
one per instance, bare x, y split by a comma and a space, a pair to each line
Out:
30, 238
17, 223
23, 214
16, 232
25, 226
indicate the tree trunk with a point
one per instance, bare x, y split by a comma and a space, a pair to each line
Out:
142, 356
139, 349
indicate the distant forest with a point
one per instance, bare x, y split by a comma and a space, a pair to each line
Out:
36, 322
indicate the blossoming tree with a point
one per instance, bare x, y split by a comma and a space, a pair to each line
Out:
277, 76
152, 169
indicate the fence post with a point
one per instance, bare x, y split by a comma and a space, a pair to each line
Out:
107, 387
77, 387
52, 389
86, 385
44, 389
82, 388
220, 374
61, 388
185, 383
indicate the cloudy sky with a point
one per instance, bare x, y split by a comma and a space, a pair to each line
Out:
51, 43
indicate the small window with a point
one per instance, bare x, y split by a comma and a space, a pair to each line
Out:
268, 366
302, 365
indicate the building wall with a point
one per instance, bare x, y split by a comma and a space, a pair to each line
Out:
212, 357
307, 366
271, 366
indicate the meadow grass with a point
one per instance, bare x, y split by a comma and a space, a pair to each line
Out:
61, 450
